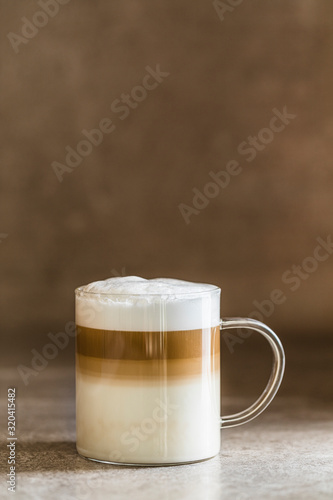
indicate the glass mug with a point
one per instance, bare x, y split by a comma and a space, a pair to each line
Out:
148, 371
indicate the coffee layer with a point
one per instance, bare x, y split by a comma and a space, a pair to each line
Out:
149, 370
119, 345
147, 355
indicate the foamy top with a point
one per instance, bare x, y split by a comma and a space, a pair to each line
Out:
132, 303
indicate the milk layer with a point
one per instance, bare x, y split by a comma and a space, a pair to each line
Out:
150, 423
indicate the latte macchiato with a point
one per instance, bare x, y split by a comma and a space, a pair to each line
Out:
148, 371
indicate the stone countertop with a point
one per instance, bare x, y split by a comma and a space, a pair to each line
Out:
287, 452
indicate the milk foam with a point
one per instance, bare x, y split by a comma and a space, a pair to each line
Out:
132, 303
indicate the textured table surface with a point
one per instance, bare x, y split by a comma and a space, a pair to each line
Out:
287, 452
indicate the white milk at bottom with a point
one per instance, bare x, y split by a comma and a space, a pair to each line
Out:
148, 422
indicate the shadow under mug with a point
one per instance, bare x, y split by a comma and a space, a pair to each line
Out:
148, 377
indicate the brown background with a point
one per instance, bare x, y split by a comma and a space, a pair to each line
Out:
118, 211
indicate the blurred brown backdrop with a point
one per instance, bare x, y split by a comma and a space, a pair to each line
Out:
118, 211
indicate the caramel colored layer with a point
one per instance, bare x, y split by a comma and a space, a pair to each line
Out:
148, 346
139, 370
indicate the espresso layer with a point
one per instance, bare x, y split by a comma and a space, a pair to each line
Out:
152, 370
148, 346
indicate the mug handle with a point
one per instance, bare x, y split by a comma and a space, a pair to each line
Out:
276, 376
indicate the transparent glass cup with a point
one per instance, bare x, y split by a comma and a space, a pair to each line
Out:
148, 376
